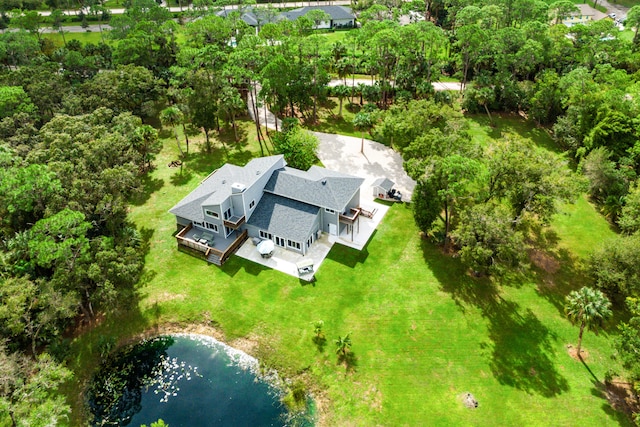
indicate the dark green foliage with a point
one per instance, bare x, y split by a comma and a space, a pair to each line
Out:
298, 146
13, 100
488, 242
615, 267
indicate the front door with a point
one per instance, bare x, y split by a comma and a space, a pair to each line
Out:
333, 229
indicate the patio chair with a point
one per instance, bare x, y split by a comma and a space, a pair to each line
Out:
207, 237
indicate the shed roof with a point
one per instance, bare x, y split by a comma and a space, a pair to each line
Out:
384, 183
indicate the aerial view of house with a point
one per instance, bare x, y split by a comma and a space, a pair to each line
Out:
266, 200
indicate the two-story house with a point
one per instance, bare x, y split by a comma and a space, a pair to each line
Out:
268, 200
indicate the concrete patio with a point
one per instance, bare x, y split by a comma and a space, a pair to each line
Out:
285, 260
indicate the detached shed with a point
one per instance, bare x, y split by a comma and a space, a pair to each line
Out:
382, 187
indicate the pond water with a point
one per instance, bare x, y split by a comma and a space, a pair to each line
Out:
187, 380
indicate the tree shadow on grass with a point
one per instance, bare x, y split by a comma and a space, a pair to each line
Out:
617, 407
181, 177
149, 186
520, 346
349, 360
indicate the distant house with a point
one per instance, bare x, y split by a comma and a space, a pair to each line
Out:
584, 15
265, 200
339, 16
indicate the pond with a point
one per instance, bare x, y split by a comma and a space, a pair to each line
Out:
187, 380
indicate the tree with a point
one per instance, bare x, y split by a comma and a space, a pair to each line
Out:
425, 204
341, 91
29, 389
633, 20
298, 146
317, 328
13, 99
628, 342
147, 144
629, 220
589, 308
57, 17
615, 267
562, 9
343, 344
488, 243
363, 122
454, 179
172, 117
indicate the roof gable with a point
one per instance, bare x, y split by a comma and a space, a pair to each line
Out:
318, 186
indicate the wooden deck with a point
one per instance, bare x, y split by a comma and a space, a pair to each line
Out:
216, 252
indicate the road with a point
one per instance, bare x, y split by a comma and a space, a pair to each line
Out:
120, 11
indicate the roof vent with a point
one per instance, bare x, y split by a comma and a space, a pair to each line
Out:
224, 181
324, 182
257, 172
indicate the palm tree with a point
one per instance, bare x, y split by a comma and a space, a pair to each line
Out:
343, 344
341, 91
588, 307
317, 327
362, 122
172, 117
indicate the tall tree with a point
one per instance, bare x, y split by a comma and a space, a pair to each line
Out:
588, 308
172, 117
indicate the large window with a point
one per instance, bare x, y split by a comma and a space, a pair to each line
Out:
293, 244
210, 226
279, 241
212, 214
265, 235
227, 214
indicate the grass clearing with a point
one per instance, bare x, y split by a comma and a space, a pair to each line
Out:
84, 38
424, 332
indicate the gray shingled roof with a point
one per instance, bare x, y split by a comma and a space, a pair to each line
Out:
217, 187
318, 186
384, 183
336, 12
253, 17
284, 217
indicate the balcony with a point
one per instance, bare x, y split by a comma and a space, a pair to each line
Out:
234, 222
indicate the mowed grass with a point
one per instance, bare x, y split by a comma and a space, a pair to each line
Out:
424, 332
330, 120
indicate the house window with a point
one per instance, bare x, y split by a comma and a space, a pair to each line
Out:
252, 204
227, 213
198, 223
210, 226
293, 244
265, 235
227, 231
212, 214
331, 211
279, 241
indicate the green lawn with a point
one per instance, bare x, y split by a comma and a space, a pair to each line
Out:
86, 37
424, 332
330, 121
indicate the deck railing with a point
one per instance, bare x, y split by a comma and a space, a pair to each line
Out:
235, 245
